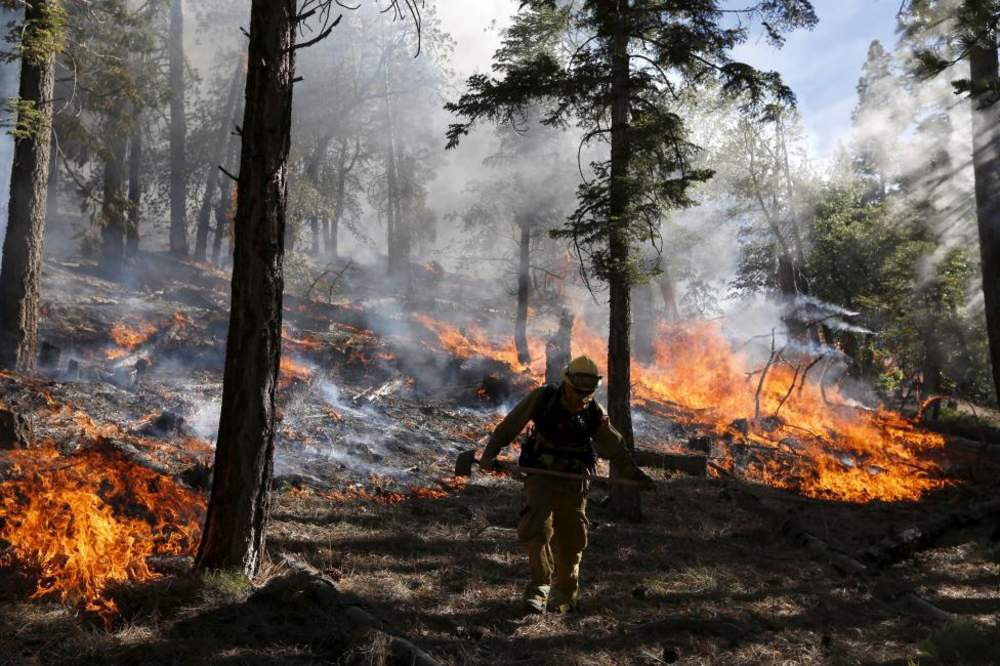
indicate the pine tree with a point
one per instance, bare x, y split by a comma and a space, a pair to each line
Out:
43, 37
626, 61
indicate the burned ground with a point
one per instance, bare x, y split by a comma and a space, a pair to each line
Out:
374, 410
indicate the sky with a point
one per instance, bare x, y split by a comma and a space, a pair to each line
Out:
822, 66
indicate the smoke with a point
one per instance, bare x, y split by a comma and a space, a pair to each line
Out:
9, 77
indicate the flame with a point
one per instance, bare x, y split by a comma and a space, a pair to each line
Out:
129, 337
292, 370
93, 519
846, 453
472, 341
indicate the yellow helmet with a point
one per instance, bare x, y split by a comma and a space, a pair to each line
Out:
582, 374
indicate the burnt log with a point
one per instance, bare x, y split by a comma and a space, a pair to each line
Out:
898, 547
15, 430
688, 464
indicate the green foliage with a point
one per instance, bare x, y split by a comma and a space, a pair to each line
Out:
559, 55
41, 38
230, 585
964, 642
31, 122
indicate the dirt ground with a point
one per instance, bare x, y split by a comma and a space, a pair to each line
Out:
718, 572
702, 580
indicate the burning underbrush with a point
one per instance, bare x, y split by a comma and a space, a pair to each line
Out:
374, 405
92, 519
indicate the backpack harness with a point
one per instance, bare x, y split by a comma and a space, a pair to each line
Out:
566, 443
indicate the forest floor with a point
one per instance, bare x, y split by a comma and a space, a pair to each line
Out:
718, 572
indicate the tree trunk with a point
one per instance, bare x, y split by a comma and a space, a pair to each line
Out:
314, 229
219, 150
52, 192
644, 328
668, 290
523, 287
134, 191
558, 348
625, 500
113, 211
986, 165
237, 511
21, 268
223, 218
178, 133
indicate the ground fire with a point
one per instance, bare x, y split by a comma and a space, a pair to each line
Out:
92, 519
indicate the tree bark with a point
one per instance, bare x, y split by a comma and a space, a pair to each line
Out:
134, 192
21, 269
986, 166
644, 326
223, 219
219, 150
523, 289
237, 511
558, 348
668, 290
178, 134
113, 211
625, 500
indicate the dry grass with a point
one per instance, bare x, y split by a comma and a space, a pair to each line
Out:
701, 581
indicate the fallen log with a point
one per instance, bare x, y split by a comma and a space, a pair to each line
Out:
327, 593
694, 465
845, 564
898, 547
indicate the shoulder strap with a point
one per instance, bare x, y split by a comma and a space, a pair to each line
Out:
548, 400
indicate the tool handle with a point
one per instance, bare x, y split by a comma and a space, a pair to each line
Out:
511, 467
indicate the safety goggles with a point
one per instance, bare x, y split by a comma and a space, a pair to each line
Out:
583, 385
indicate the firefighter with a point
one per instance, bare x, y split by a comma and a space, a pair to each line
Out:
570, 431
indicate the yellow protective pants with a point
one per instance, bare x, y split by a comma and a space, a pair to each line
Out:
553, 530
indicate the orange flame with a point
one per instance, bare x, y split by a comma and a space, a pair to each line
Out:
91, 520
129, 337
850, 454
292, 371
473, 341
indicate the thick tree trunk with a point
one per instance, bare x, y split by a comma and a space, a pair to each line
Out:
134, 192
986, 165
523, 289
219, 150
237, 512
625, 500
178, 134
113, 212
21, 269
52, 193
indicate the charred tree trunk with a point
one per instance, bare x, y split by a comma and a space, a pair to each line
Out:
225, 210
237, 512
644, 327
625, 500
134, 192
314, 229
558, 348
21, 269
523, 290
986, 165
219, 149
178, 134
113, 212
668, 290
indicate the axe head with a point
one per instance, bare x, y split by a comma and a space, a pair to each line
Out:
463, 464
